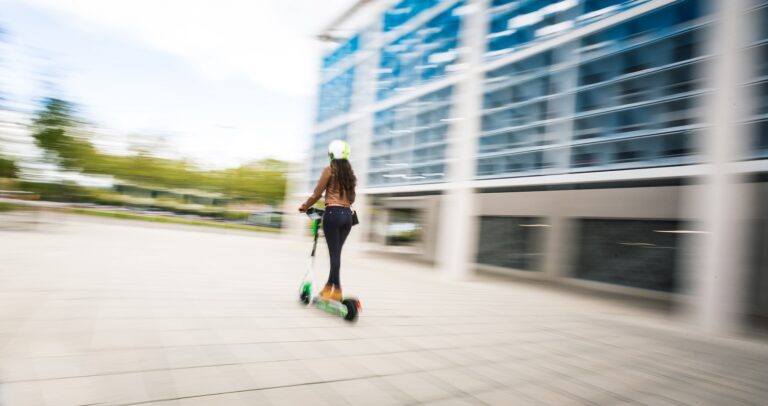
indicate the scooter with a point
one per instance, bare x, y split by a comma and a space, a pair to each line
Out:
349, 307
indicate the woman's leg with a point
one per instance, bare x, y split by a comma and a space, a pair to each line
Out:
344, 229
332, 230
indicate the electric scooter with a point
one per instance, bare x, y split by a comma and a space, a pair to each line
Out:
349, 307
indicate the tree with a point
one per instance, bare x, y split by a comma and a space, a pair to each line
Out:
8, 168
54, 129
58, 132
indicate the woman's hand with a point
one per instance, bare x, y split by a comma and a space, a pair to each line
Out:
302, 209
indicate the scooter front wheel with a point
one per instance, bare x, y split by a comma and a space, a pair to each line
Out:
304, 295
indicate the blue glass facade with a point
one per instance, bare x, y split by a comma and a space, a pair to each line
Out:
336, 95
627, 96
590, 120
319, 151
347, 49
409, 141
758, 86
421, 55
639, 95
517, 109
515, 24
404, 11
338, 80
635, 101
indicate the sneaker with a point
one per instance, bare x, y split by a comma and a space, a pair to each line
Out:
331, 292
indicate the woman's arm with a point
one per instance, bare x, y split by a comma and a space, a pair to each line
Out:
322, 184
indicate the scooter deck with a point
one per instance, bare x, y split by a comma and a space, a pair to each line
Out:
330, 306
348, 308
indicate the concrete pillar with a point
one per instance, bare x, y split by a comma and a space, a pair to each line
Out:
720, 205
457, 229
564, 105
294, 223
361, 132
557, 242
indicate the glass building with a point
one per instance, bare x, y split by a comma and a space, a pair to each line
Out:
580, 138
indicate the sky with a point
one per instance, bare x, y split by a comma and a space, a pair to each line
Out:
221, 82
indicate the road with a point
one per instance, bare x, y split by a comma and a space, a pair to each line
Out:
126, 313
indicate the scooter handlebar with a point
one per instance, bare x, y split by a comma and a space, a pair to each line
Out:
314, 213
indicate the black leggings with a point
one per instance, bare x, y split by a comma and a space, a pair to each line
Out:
337, 222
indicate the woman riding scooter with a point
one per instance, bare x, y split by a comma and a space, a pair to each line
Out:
338, 181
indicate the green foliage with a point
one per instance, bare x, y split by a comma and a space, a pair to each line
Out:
57, 192
158, 219
10, 207
8, 168
54, 131
58, 132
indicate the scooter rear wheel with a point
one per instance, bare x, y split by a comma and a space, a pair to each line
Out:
351, 305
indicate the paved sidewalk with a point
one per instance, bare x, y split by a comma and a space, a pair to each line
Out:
105, 312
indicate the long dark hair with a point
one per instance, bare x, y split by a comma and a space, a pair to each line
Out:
343, 177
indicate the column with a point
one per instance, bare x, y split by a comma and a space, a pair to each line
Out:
457, 230
361, 131
720, 205
558, 244
294, 223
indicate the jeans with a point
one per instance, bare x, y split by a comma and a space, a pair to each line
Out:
337, 222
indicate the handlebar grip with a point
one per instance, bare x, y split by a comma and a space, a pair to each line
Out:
314, 213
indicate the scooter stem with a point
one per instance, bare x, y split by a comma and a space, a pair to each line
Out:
315, 226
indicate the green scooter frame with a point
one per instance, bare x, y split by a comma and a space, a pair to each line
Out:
349, 307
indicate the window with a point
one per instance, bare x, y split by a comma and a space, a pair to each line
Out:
588, 127
758, 277
404, 227
760, 138
422, 54
677, 145
408, 143
630, 120
595, 5
635, 253
345, 50
592, 73
404, 11
584, 157
511, 242
336, 95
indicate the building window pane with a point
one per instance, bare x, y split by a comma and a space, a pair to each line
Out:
404, 227
511, 242
409, 141
758, 278
635, 253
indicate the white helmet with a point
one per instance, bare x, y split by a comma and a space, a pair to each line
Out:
338, 149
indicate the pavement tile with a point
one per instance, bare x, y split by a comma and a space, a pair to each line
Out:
463, 380
419, 387
548, 395
506, 397
269, 375
455, 401
363, 391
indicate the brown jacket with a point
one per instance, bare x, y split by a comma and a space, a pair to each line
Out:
333, 196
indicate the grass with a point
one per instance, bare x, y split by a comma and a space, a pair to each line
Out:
11, 207
172, 220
